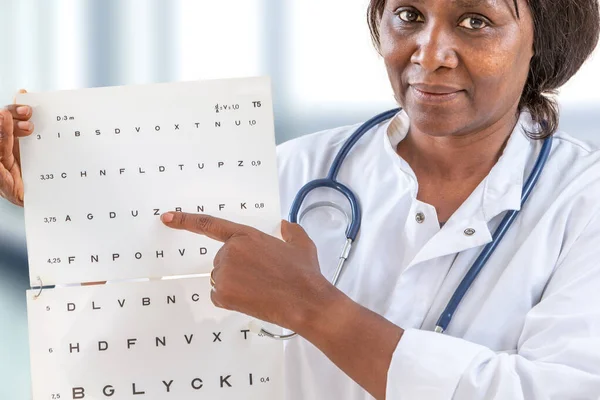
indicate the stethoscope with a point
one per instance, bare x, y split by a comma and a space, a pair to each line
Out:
354, 222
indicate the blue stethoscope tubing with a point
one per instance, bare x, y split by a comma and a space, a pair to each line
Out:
330, 181
488, 250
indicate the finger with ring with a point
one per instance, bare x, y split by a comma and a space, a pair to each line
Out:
212, 280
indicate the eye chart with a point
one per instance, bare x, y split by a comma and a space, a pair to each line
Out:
147, 340
104, 163
101, 167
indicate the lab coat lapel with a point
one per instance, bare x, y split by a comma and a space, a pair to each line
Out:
499, 192
458, 235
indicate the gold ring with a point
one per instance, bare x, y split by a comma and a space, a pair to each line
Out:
212, 280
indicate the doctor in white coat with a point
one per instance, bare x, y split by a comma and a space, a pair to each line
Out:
434, 183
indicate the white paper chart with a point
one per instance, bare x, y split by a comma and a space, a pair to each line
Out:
104, 163
147, 340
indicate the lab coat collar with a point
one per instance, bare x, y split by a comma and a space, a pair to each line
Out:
504, 184
500, 190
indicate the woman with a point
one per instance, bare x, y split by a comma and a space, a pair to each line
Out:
434, 183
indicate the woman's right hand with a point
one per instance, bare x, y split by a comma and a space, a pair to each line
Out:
14, 123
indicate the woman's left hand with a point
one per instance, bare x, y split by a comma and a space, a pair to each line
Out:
259, 275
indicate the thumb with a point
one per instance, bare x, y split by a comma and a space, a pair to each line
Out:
294, 233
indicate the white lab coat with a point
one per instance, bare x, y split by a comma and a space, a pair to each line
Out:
529, 328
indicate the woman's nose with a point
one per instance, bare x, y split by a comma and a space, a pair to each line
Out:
435, 49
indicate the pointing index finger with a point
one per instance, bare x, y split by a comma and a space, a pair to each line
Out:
212, 227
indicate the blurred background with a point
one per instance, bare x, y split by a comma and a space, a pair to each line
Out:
324, 70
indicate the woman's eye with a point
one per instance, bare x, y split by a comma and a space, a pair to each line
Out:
473, 23
410, 16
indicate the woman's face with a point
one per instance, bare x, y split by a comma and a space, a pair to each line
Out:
456, 66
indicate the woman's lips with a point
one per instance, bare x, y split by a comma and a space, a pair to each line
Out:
435, 94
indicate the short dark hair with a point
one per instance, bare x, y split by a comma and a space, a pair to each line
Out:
565, 34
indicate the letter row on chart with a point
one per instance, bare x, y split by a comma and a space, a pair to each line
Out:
129, 258
134, 214
193, 127
161, 339
245, 388
112, 263
197, 167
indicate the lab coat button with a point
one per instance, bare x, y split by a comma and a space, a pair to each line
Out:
420, 217
469, 231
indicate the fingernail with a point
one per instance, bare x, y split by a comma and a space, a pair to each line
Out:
167, 217
25, 125
22, 110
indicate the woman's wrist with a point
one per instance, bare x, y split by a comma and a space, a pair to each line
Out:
323, 312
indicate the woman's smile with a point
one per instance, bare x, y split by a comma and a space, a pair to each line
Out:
424, 93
